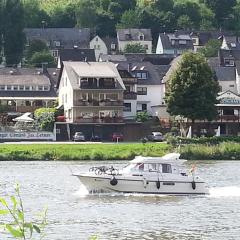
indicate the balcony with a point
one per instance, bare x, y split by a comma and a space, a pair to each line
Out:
228, 118
99, 120
130, 96
130, 80
102, 83
102, 103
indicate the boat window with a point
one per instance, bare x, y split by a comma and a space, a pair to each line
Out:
153, 167
166, 168
140, 166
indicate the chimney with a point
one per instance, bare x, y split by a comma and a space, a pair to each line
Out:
129, 67
44, 67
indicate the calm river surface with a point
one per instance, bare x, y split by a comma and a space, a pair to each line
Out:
73, 215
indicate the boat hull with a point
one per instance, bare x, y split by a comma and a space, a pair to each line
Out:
141, 185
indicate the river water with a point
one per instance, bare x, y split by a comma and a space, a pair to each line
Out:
73, 215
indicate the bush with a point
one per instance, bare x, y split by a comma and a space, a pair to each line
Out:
207, 140
142, 116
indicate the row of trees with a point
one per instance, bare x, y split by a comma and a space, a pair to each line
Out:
104, 16
11, 30
159, 15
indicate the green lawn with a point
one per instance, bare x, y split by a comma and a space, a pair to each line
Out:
81, 151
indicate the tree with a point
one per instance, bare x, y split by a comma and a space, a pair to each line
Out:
221, 8
36, 46
192, 90
33, 14
184, 22
211, 48
45, 118
38, 58
86, 14
134, 48
13, 24
129, 19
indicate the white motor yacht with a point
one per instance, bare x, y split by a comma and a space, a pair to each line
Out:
147, 175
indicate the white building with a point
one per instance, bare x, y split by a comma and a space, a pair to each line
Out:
91, 92
133, 36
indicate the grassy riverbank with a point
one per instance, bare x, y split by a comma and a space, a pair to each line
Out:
222, 151
81, 151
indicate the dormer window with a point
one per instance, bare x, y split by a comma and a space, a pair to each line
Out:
113, 46
141, 37
128, 36
229, 62
57, 43
141, 75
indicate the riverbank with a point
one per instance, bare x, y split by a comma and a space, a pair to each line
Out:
222, 151
121, 151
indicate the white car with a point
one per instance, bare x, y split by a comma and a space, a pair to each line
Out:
155, 137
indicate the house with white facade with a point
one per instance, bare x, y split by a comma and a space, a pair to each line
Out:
133, 36
103, 46
24, 90
174, 43
91, 92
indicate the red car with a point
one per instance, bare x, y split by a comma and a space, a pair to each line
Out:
117, 137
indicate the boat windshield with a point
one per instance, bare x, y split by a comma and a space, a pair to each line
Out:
134, 167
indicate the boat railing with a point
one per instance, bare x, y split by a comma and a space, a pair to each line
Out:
104, 170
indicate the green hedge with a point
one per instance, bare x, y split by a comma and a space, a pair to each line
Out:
116, 151
222, 151
203, 140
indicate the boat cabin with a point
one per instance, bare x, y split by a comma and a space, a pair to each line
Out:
167, 164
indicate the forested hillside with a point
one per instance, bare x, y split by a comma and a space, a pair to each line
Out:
159, 15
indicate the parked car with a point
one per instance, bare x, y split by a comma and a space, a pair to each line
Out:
78, 137
155, 137
95, 138
117, 137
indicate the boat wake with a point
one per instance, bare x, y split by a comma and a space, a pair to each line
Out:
231, 191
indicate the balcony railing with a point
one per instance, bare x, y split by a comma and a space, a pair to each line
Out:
130, 95
104, 103
99, 120
130, 80
229, 118
6, 108
85, 85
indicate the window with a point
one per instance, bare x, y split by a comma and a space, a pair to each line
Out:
127, 107
228, 62
27, 88
15, 87
141, 75
142, 91
65, 98
141, 37
27, 103
231, 85
113, 46
9, 88
40, 88
182, 42
57, 43
96, 39
144, 107
55, 53
2, 87
45, 88
166, 168
21, 87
